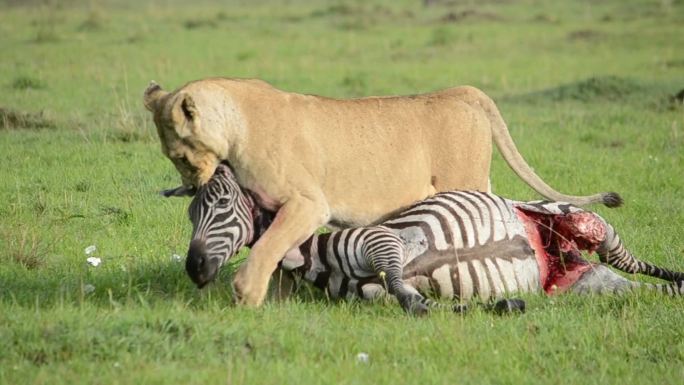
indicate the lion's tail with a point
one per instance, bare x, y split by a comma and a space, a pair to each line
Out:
510, 153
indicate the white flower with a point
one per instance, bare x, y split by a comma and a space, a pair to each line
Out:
362, 358
90, 249
176, 258
88, 288
93, 261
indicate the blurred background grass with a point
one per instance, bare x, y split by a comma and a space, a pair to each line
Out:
587, 89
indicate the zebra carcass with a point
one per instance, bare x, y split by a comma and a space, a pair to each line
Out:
454, 245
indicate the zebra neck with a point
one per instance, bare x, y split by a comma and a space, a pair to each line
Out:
262, 220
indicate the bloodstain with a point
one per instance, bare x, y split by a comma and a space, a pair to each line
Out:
558, 240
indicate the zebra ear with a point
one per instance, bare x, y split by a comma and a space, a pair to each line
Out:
224, 169
181, 191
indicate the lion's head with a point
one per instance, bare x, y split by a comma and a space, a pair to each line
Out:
191, 134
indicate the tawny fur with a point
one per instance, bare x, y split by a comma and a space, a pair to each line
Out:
317, 160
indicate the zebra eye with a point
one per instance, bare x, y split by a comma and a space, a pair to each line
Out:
223, 202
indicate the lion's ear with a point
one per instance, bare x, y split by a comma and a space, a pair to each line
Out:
189, 109
152, 96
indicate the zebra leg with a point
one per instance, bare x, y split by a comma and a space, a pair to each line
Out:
384, 252
613, 252
602, 280
508, 306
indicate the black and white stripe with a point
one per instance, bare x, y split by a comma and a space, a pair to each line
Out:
223, 218
614, 253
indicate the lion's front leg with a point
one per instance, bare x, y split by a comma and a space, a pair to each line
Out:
296, 220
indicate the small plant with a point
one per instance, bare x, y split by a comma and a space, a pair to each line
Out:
131, 124
336, 10
200, 23
15, 119
83, 186
244, 55
440, 37
222, 16
355, 83
93, 22
46, 24
46, 33
27, 83
28, 250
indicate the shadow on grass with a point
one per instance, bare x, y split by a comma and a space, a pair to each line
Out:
115, 282
119, 281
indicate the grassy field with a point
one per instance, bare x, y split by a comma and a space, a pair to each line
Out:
584, 86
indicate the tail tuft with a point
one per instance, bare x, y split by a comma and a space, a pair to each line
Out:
612, 199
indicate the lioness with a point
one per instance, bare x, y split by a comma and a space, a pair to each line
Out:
317, 160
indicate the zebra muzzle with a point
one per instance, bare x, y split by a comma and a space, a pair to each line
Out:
198, 265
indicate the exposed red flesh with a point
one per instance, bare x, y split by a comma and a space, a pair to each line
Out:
557, 241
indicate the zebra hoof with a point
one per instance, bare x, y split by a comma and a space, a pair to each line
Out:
460, 308
418, 309
509, 306
413, 306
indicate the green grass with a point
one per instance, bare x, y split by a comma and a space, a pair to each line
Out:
584, 88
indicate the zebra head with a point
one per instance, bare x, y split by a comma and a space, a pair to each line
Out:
224, 218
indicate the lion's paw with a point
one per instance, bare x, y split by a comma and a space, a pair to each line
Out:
246, 291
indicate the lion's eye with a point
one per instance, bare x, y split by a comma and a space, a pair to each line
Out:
223, 202
185, 163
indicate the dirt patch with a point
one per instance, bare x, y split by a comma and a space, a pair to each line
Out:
10, 119
469, 15
337, 10
200, 23
355, 84
545, 18
93, 22
452, 3
608, 88
674, 63
359, 17
210, 21
585, 34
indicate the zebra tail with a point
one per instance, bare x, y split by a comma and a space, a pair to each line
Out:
673, 289
613, 252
